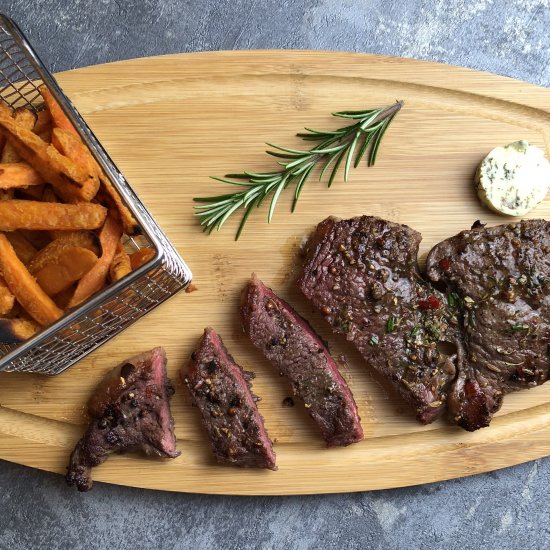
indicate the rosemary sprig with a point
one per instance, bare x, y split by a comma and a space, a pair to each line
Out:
346, 145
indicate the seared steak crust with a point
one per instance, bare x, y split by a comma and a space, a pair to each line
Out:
130, 410
500, 277
221, 391
361, 274
298, 353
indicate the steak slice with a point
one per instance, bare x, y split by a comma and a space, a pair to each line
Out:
292, 346
221, 391
362, 275
130, 410
500, 281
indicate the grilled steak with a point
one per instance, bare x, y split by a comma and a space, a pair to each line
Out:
292, 346
221, 391
500, 282
361, 274
130, 410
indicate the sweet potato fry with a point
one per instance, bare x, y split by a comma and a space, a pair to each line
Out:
72, 147
44, 216
121, 265
72, 182
17, 329
24, 118
18, 174
111, 197
51, 252
7, 299
23, 286
24, 249
59, 118
43, 125
67, 268
95, 278
77, 238
141, 257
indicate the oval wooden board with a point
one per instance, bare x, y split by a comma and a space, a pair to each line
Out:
169, 123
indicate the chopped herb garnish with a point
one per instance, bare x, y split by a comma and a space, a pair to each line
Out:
345, 325
391, 323
374, 340
453, 300
519, 327
415, 330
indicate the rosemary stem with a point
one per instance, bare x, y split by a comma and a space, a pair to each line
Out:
349, 142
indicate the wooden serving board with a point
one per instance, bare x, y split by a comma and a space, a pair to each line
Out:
169, 123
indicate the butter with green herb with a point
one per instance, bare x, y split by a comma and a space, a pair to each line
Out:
513, 179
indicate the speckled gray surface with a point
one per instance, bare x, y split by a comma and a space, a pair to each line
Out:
506, 509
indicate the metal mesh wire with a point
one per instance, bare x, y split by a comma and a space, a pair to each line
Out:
21, 73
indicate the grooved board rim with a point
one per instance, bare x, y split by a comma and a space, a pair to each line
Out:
40, 419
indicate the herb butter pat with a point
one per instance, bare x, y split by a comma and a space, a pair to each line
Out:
513, 179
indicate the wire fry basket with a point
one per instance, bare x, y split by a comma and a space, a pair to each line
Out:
106, 313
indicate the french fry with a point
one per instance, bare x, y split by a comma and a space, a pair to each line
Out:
24, 287
72, 182
25, 119
141, 257
21, 214
94, 280
72, 147
7, 299
59, 118
111, 196
77, 238
121, 265
50, 257
24, 249
67, 268
17, 329
51, 252
43, 125
18, 174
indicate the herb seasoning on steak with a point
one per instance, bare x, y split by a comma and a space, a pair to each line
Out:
361, 274
221, 391
499, 280
130, 410
292, 346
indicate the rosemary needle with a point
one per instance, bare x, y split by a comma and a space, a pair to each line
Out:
347, 145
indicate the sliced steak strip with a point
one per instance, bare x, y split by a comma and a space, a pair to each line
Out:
361, 274
295, 350
221, 391
130, 410
500, 281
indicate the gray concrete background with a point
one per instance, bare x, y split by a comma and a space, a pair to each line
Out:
505, 509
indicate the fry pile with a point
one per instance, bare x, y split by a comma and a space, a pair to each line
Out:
61, 221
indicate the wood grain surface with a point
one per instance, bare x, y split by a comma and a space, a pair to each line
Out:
169, 123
